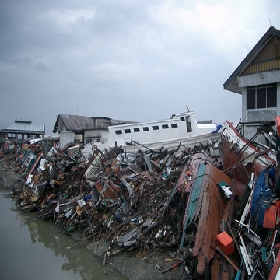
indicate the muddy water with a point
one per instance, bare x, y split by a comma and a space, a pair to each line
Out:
31, 249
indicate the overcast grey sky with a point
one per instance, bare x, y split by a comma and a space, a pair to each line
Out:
138, 60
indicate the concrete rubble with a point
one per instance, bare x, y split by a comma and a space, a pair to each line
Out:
177, 201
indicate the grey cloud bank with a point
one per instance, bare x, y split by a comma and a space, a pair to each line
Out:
130, 60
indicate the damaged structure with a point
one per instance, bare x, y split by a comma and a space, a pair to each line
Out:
75, 128
179, 201
20, 131
257, 79
210, 208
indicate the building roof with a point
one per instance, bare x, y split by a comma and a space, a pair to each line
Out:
77, 123
25, 127
231, 83
74, 122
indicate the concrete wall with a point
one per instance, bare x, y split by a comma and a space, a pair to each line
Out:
66, 137
96, 134
266, 114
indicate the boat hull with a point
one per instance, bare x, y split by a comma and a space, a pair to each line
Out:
189, 142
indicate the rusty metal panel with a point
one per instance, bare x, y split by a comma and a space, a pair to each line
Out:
213, 210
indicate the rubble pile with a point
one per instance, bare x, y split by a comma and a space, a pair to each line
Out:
176, 200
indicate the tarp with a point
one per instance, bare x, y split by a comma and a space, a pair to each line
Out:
262, 195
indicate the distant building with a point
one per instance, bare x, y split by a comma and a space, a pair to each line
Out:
75, 128
257, 79
20, 131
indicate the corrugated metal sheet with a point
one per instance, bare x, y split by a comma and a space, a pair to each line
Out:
26, 127
76, 123
193, 202
206, 208
80, 123
118, 122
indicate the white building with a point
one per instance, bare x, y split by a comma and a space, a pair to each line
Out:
75, 128
257, 79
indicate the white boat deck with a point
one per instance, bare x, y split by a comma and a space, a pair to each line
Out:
179, 126
170, 133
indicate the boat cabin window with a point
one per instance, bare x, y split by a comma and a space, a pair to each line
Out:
155, 127
127, 130
182, 119
118, 132
164, 126
189, 124
174, 125
136, 129
145, 128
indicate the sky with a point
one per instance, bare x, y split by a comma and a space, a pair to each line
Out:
136, 60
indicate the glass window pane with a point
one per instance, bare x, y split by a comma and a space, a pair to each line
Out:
272, 96
189, 124
261, 98
250, 98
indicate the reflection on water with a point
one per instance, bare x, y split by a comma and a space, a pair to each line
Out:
31, 249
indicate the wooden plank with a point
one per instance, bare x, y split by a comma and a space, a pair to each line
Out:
228, 259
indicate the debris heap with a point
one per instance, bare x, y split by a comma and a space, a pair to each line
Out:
178, 201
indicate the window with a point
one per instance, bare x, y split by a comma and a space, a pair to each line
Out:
251, 99
145, 128
91, 139
264, 96
174, 125
182, 119
127, 130
271, 94
155, 127
261, 98
136, 129
164, 126
118, 132
189, 124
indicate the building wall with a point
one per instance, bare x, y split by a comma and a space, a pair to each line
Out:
66, 137
97, 135
253, 115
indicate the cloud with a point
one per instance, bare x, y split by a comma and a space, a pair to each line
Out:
65, 19
110, 55
41, 66
217, 25
114, 71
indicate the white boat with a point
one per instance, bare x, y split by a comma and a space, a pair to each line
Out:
181, 128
